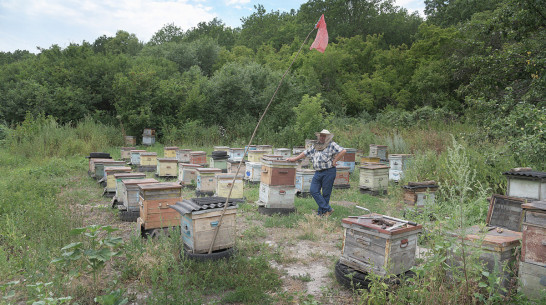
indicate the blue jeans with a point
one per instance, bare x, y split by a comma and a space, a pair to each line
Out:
323, 180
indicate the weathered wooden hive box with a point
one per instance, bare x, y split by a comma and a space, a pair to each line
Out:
130, 192
236, 154
148, 162
398, 163
206, 181
526, 183
349, 159
253, 171
155, 200
532, 268
416, 194
285, 152
198, 157
167, 167
109, 178
233, 164
364, 160
256, 155
304, 177
267, 148
130, 140
249, 148
92, 161
119, 177
200, 217
379, 151
183, 155
148, 136
278, 172
126, 153
223, 185
499, 240
221, 148
219, 159
170, 151
100, 165
342, 177
277, 197
374, 179
135, 156
187, 173
371, 246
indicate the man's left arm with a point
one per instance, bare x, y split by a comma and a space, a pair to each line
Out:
339, 156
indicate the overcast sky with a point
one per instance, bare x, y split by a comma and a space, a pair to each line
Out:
27, 24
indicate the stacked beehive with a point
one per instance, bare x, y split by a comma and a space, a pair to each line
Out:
253, 167
417, 194
374, 179
170, 151
128, 207
198, 157
342, 177
349, 159
155, 200
218, 159
398, 163
148, 136
277, 187
135, 156
118, 197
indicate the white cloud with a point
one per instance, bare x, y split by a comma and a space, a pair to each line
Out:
236, 2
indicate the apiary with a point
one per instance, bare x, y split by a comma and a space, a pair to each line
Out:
379, 244
148, 162
206, 181
374, 179
130, 140
379, 151
155, 200
342, 177
284, 152
278, 172
256, 155
135, 156
126, 153
187, 174
110, 180
398, 163
199, 219
221, 148
232, 166
267, 148
253, 171
148, 137
304, 177
92, 161
170, 152
167, 167
223, 185
198, 157
119, 185
100, 165
532, 268
219, 159
277, 197
236, 154
416, 194
526, 183
129, 192
183, 155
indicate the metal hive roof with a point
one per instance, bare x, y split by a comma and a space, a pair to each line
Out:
205, 203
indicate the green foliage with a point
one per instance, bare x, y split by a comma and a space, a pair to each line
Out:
311, 117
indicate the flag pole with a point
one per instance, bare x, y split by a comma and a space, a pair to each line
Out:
217, 228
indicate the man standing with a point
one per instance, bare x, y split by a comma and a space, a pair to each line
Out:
324, 154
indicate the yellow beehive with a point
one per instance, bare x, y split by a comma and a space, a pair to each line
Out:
167, 167
256, 155
148, 159
223, 184
170, 151
110, 179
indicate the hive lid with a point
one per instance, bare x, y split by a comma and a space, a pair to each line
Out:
109, 162
278, 162
174, 160
160, 186
139, 181
205, 203
526, 173
257, 151
505, 212
350, 150
189, 165
378, 146
229, 176
418, 185
273, 157
236, 148
185, 150
199, 152
100, 160
535, 205
369, 221
206, 170
170, 147
264, 146
497, 240
375, 166
117, 168
148, 154
126, 175
99, 155
138, 150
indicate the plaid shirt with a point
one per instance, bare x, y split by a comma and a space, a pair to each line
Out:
322, 159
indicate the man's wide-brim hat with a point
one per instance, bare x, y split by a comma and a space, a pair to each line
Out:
324, 131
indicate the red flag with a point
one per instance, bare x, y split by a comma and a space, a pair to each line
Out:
321, 41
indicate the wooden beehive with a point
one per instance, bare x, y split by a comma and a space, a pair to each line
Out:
249, 148
374, 178
417, 193
119, 184
236, 154
92, 162
232, 166
219, 163
350, 155
350, 165
253, 171
277, 196
154, 201
284, 152
148, 159
100, 165
342, 177
110, 179
221, 148
130, 140
135, 156
370, 247
256, 155
126, 153
167, 167
398, 163
278, 172
148, 136
526, 183
170, 152
183, 155
379, 151
187, 173
267, 148
304, 177
368, 159
198, 157
224, 182
130, 192
206, 180
532, 268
